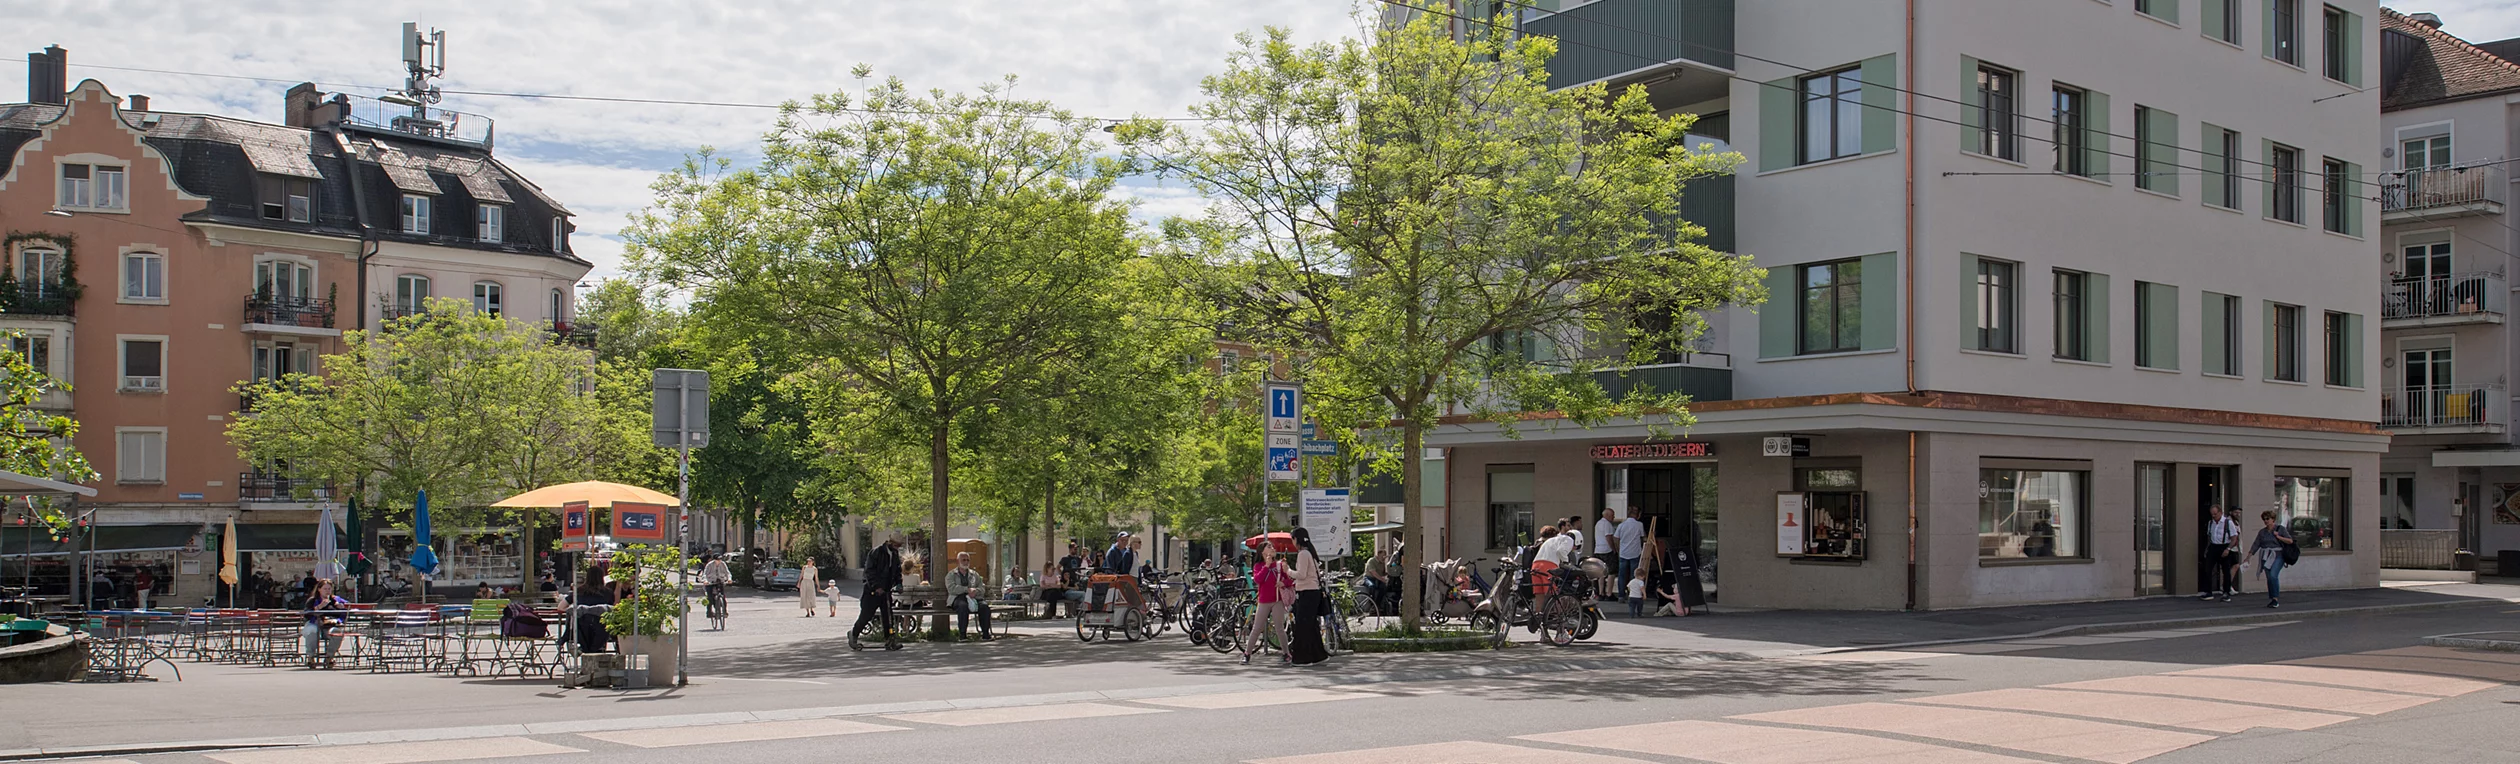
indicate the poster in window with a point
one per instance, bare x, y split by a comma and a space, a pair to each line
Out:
638, 521
1792, 523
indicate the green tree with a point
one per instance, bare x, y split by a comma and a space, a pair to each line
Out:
935, 252
1416, 214
35, 440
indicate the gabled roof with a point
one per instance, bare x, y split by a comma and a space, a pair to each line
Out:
2441, 67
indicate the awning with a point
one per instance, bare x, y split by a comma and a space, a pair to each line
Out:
21, 541
14, 484
282, 537
107, 538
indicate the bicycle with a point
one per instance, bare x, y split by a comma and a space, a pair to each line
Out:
715, 600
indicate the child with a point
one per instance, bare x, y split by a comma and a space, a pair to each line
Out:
1636, 595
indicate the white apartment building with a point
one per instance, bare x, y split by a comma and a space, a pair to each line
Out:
2045, 280
2447, 108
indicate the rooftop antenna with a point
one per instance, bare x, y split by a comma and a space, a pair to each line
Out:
424, 57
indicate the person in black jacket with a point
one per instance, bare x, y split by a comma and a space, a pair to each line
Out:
883, 575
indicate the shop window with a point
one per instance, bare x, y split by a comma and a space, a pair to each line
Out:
1833, 525
2311, 508
1511, 498
2031, 514
1833, 478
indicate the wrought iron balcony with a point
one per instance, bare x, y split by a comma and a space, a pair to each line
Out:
2456, 298
300, 312
2441, 192
578, 335
42, 298
276, 487
2445, 409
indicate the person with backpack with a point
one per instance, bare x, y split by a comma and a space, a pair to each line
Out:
2274, 549
2222, 556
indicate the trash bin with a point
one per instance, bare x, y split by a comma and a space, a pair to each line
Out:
2507, 562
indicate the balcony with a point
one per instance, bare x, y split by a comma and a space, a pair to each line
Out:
274, 488
2445, 410
308, 316
49, 298
2449, 300
575, 335
1703, 376
1606, 39
2441, 193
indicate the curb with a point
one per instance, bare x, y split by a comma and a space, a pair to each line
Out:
2464, 641
2165, 623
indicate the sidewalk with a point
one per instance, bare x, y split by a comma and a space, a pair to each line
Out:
772, 662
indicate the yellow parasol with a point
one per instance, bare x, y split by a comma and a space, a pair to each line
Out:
227, 554
596, 493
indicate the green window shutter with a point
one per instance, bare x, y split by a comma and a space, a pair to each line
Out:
1776, 124
1431, 483
2216, 324
2213, 12
2354, 193
1881, 121
1777, 317
1972, 106
2209, 146
1968, 302
1881, 301
2353, 350
2266, 326
2353, 49
2096, 315
2096, 148
2168, 10
2161, 328
2163, 152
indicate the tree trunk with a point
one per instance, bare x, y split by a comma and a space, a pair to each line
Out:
1049, 521
940, 470
752, 517
1412, 530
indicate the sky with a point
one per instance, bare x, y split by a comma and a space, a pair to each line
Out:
1103, 58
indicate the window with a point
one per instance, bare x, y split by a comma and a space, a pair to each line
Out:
2156, 326
1228, 362
2283, 340
2285, 191
284, 280
415, 214
559, 235
2334, 213
491, 222
39, 272
2420, 154
144, 365
2156, 150
2342, 360
2030, 514
2222, 334
1998, 309
2071, 131
1999, 133
2222, 168
1518, 344
487, 298
36, 348
2073, 320
2283, 31
144, 276
273, 360
140, 456
2336, 45
91, 186
286, 198
1831, 307
1832, 478
1832, 123
559, 305
2166, 10
1510, 502
411, 294
2223, 22
2312, 509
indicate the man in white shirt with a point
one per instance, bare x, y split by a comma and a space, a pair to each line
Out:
1631, 533
2222, 561
1603, 530
1568, 526
1555, 547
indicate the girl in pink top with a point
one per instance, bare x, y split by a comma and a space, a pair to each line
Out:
1276, 592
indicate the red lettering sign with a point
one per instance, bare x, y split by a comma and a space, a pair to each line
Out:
1684, 450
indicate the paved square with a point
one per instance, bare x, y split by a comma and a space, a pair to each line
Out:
738, 733
974, 717
2098, 741
398, 753
1727, 743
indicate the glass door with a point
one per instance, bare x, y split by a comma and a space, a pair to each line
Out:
2152, 511
2427, 385
2397, 502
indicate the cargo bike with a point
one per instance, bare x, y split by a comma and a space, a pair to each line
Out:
1113, 604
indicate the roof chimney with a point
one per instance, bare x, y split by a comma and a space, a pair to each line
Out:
2428, 20
139, 103
48, 76
298, 105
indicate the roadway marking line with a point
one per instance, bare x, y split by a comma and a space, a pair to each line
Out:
2310, 671
1728, 743
399, 753
2078, 738
1465, 752
1256, 698
2288, 695
2215, 715
973, 717
738, 733
1871, 656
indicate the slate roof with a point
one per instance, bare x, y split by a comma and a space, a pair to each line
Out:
2442, 68
225, 159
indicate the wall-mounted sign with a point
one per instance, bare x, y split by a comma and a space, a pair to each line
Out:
1784, 445
638, 521
188, 496
1682, 450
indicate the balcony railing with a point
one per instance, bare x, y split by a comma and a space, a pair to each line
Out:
2440, 189
271, 487
2477, 408
1613, 37
305, 312
577, 335
2449, 296
42, 299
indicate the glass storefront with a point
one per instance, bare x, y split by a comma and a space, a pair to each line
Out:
2029, 514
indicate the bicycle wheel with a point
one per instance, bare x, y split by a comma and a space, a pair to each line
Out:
1133, 625
1084, 633
1225, 636
1557, 620
1588, 621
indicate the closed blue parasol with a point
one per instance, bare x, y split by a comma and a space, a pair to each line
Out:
423, 554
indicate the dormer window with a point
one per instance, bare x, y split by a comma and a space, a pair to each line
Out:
92, 187
415, 214
491, 222
288, 199
559, 235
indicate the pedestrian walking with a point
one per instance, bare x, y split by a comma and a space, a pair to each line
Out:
2222, 556
1304, 647
1605, 532
1636, 594
1631, 545
2273, 550
808, 586
831, 597
1274, 586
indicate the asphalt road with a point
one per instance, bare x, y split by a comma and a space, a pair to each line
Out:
2350, 689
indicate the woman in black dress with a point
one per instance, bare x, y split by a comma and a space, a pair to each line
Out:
1306, 648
